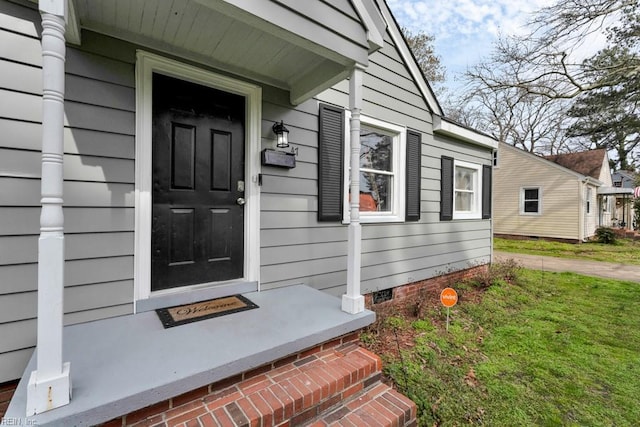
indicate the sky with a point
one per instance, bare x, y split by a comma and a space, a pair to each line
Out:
464, 29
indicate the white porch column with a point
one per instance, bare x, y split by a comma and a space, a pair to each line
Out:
353, 301
49, 385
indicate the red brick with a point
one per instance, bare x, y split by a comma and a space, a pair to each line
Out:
236, 414
304, 417
286, 400
196, 394
147, 412
305, 389
221, 399
318, 423
249, 411
178, 419
254, 384
263, 409
295, 395
354, 336
257, 371
400, 413
285, 361
314, 387
393, 419
352, 390
207, 420
332, 401
276, 406
225, 383
309, 352
331, 344
401, 402
223, 418
283, 373
322, 384
369, 416
187, 407
329, 375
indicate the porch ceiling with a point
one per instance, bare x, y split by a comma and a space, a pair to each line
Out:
296, 53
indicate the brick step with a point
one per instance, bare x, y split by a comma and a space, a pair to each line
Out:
330, 384
379, 405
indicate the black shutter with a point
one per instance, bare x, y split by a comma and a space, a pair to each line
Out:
446, 189
414, 159
330, 163
486, 192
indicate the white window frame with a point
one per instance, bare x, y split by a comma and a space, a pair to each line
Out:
398, 191
522, 200
146, 64
476, 209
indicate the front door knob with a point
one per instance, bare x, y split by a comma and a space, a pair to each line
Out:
240, 201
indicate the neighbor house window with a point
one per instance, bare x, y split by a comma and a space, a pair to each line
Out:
382, 171
466, 190
530, 201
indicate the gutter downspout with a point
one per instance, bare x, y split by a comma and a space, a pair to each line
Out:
49, 385
353, 301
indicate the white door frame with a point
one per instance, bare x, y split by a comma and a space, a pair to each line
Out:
146, 64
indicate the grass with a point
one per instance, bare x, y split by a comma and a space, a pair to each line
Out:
625, 251
551, 349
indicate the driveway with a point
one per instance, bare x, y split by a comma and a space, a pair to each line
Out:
608, 270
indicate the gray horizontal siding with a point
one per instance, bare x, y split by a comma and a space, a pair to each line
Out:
98, 190
99, 182
298, 249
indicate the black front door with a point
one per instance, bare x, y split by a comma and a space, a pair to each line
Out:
198, 184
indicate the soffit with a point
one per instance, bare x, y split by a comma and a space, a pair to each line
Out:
240, 37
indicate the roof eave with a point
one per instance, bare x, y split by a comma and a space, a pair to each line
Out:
447, 128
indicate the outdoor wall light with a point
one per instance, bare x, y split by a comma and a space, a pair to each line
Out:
282, 133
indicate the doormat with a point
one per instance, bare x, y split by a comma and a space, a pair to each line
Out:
182, 314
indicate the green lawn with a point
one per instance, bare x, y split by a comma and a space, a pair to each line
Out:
550, 349
625, 251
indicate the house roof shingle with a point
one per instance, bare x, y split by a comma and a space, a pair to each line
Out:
586, 163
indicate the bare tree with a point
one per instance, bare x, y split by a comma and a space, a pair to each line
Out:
545, 63
421, 45
540, 95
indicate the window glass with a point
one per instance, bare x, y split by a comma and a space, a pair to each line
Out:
531, 200
376, 170
381, 167
465, 192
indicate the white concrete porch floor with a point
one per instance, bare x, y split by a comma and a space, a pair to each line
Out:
122, 364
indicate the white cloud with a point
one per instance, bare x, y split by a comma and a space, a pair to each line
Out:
465, 29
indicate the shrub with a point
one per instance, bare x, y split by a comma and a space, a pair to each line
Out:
606, 235
501, 271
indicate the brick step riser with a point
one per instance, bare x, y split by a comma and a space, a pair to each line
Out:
299, 390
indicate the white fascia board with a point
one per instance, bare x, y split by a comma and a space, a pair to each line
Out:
610, 191
453, 130
409, 60
592, 181
372, 21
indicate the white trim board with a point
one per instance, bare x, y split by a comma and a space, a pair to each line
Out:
146, 64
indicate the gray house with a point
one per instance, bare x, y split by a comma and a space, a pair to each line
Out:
157, 154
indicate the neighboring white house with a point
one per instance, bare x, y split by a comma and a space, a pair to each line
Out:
140, 169
566, 196
623, 181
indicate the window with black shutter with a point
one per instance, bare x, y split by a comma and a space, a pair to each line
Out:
330, 163
446, 188
414, 160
